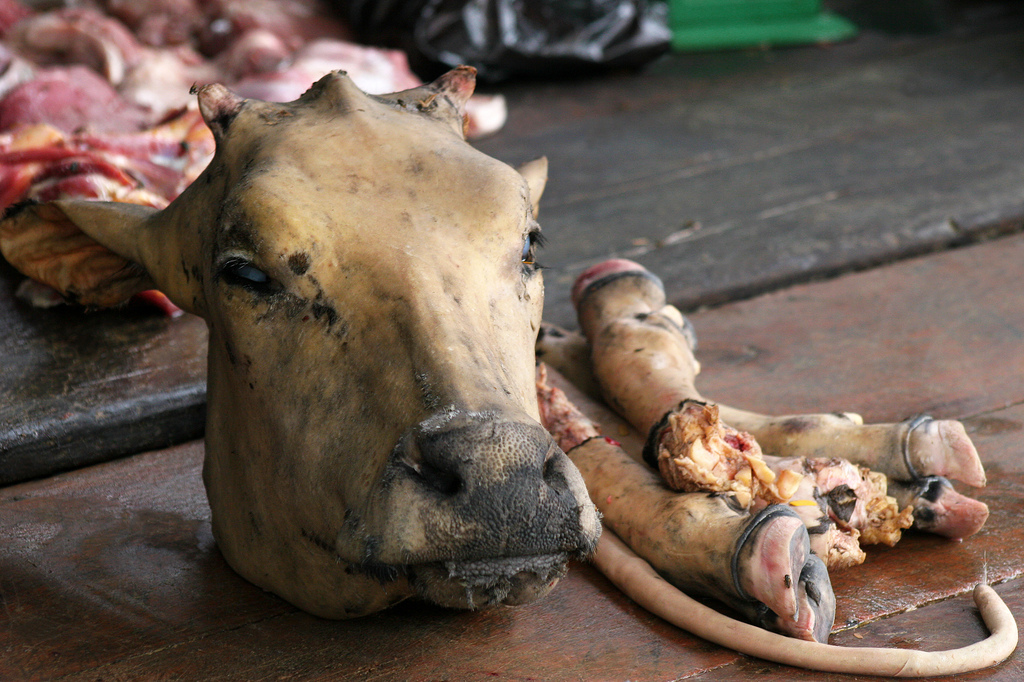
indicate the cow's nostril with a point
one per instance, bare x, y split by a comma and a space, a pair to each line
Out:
554, 471
432, 458
434, 478
550, 465
472, 454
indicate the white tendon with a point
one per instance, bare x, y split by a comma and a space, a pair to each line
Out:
642, 584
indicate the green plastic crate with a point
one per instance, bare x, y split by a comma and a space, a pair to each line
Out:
720, 24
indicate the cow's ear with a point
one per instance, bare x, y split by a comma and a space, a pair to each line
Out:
536, 174
95, 253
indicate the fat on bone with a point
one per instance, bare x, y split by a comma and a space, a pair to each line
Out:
902, 451
697, 451
855, 498
838, 548
639, 581
622, 312
569, 353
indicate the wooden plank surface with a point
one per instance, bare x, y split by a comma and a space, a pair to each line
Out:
738, 173
111, 573
727, 173
78, 388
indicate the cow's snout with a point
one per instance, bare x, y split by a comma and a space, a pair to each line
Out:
489, 502
458, 455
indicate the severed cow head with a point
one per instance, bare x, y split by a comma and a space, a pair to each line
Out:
372, 299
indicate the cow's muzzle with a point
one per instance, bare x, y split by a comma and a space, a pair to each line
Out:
484, 509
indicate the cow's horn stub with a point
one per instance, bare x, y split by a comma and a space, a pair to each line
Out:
219, 106
457, 85
443, 100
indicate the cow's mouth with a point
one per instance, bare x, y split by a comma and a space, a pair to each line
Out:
483, 582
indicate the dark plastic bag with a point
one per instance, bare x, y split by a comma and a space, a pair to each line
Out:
504, 38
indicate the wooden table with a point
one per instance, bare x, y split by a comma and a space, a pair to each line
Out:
110, 572
740, 178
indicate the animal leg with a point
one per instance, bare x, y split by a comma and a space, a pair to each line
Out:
705, 543
904, 451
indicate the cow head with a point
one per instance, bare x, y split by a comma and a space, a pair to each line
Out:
370, 289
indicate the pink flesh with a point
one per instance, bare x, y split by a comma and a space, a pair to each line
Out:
11, 12
603, 269
158, 300
256, 51
833, 475
70, 98
77, 36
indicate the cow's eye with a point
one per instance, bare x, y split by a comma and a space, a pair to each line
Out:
534, 240
240, 272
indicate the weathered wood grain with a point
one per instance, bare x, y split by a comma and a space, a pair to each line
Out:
111, 572
735, 174
78, 388
945, 625
943, 334
727, 174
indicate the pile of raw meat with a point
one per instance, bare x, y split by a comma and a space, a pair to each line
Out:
95, 101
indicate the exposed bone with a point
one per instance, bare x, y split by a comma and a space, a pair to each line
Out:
902, 451
643, 361
881, 519
939, 508
646, 372
759, 565
957, 517
854, 498
838, 548
639, 581
696, 451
